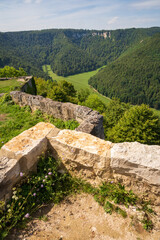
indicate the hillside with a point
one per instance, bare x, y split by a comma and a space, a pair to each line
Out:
135, 76
68, 51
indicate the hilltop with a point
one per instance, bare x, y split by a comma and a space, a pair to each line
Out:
68, 51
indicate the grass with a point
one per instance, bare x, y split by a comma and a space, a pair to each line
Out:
18, 119
7, 86
80, 81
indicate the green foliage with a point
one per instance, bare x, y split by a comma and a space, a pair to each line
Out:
139, 123
118, 194
115, 109
94, 102
79, 81
61, 91
68, 51
108, 207
135, 76
11, 72
147, 224
82, 95
19, 119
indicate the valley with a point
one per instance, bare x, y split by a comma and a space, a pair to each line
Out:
80, 81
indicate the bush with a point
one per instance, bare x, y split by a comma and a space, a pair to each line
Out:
140, 124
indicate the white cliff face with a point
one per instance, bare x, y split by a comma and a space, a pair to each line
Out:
83, 155
105, 35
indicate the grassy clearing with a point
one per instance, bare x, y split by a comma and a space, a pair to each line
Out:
9, 85
80, 81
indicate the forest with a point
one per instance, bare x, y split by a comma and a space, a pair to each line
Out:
131, 57
68, 51
135, 76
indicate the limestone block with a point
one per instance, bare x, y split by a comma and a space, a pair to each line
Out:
21, 154
137, 160
9, 175
83, 155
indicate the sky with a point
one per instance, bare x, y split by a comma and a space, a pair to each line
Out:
19, 15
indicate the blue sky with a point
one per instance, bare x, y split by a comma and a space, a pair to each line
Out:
18, 15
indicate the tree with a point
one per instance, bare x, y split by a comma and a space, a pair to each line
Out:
94, 102
83, 95
140, 124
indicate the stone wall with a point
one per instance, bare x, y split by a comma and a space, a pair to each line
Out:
83, 155
90, 121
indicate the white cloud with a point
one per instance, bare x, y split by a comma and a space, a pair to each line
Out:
38, 1
147, 4
27, 1
112, 20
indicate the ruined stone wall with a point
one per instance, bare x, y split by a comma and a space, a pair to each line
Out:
90, 121
135, 165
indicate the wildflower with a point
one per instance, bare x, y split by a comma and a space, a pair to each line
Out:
13, 196
50, 173
44, 180
46, 176
34, 194
9, 210
2, 142
16, 198
8, 205
21, 174
42, 186
14, 192
27, 215
111, 181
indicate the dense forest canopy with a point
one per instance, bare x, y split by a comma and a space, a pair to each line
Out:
68, 51
135, 76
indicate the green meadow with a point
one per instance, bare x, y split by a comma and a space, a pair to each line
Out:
80, 81
7, 86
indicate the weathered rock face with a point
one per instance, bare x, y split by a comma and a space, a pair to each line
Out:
90, 121
137, 160
21, 154
83, 155
29, 85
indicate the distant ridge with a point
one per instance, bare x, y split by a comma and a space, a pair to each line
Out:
68, 51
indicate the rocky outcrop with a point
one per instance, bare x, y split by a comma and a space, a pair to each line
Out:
29, 85
83, 155
90, 121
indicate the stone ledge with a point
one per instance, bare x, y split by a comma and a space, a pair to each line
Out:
83, 155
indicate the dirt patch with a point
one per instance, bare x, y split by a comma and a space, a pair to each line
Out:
3, 117
79, 217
